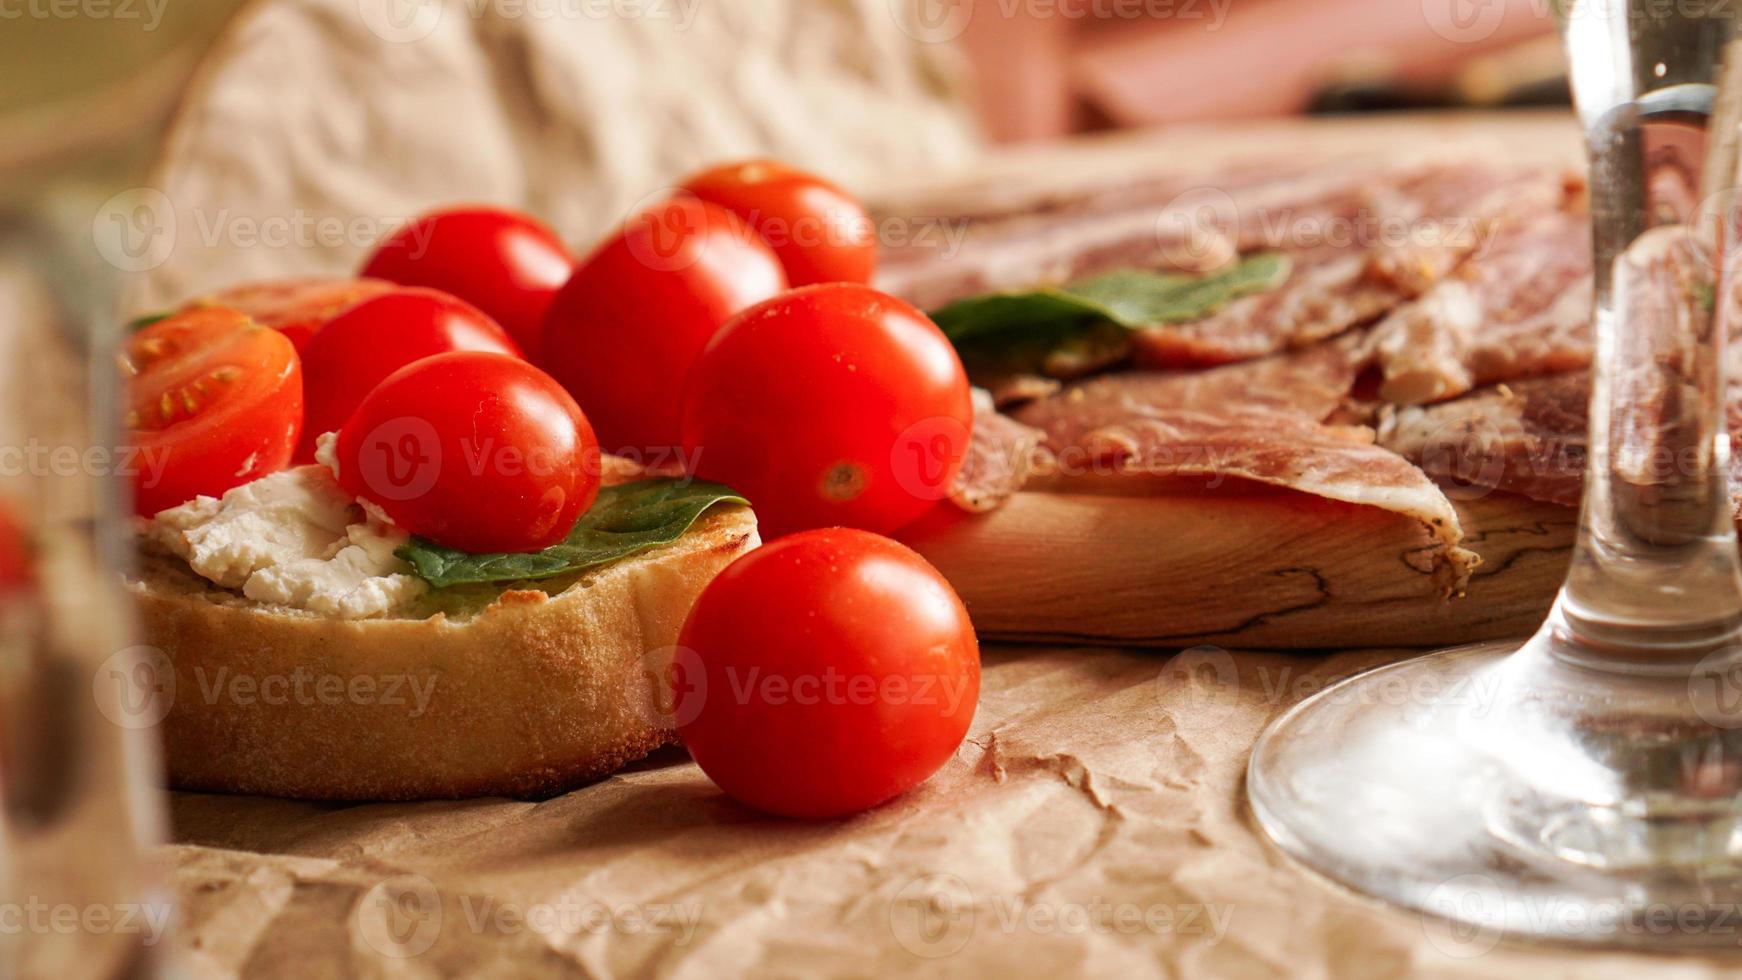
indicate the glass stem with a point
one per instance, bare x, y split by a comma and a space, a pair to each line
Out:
1655, 577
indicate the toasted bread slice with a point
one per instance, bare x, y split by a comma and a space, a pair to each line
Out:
498, 692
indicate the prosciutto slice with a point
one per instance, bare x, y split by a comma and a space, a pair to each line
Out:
1357, 254
1519, 308
1312, 383
1280, 449
1527, 438
1002, 454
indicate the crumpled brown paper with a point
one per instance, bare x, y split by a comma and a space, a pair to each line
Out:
317, 126
1092, 824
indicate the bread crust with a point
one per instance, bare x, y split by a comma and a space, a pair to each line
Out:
528, 697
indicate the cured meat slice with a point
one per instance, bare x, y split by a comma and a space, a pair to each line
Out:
1528, 438
1172, 225
1520, 307
1312, 383
1001, 455
1205, 449
1058, 254
1356, 255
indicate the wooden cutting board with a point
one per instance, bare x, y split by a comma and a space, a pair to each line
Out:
1278, 569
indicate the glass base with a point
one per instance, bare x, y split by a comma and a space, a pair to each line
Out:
1510, 794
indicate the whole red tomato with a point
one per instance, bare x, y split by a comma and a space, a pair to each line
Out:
214, 400
503, 262
819, 231
621, 336
359, 348
297, 308
477, 451
830, 405
825, 673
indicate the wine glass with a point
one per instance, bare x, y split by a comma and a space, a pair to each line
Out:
1583, 786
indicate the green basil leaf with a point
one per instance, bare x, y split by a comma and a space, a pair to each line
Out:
626, 520
1137, 299
1070, 329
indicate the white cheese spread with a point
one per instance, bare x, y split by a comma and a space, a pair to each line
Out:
294, 538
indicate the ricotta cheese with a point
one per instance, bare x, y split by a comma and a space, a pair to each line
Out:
294, 538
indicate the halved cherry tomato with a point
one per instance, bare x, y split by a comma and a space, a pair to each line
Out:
477, 451
377, 337
622, 334
830, 405
214, 401
819, 231
503, 262
825, 673
297, 308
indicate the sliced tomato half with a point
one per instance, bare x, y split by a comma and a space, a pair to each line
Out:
214, 400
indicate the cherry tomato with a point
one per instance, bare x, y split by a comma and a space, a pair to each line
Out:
827, 405
825, 673
622, 334
503, 262
820, 233
477, 451
297, 308
214, 401
377, 337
